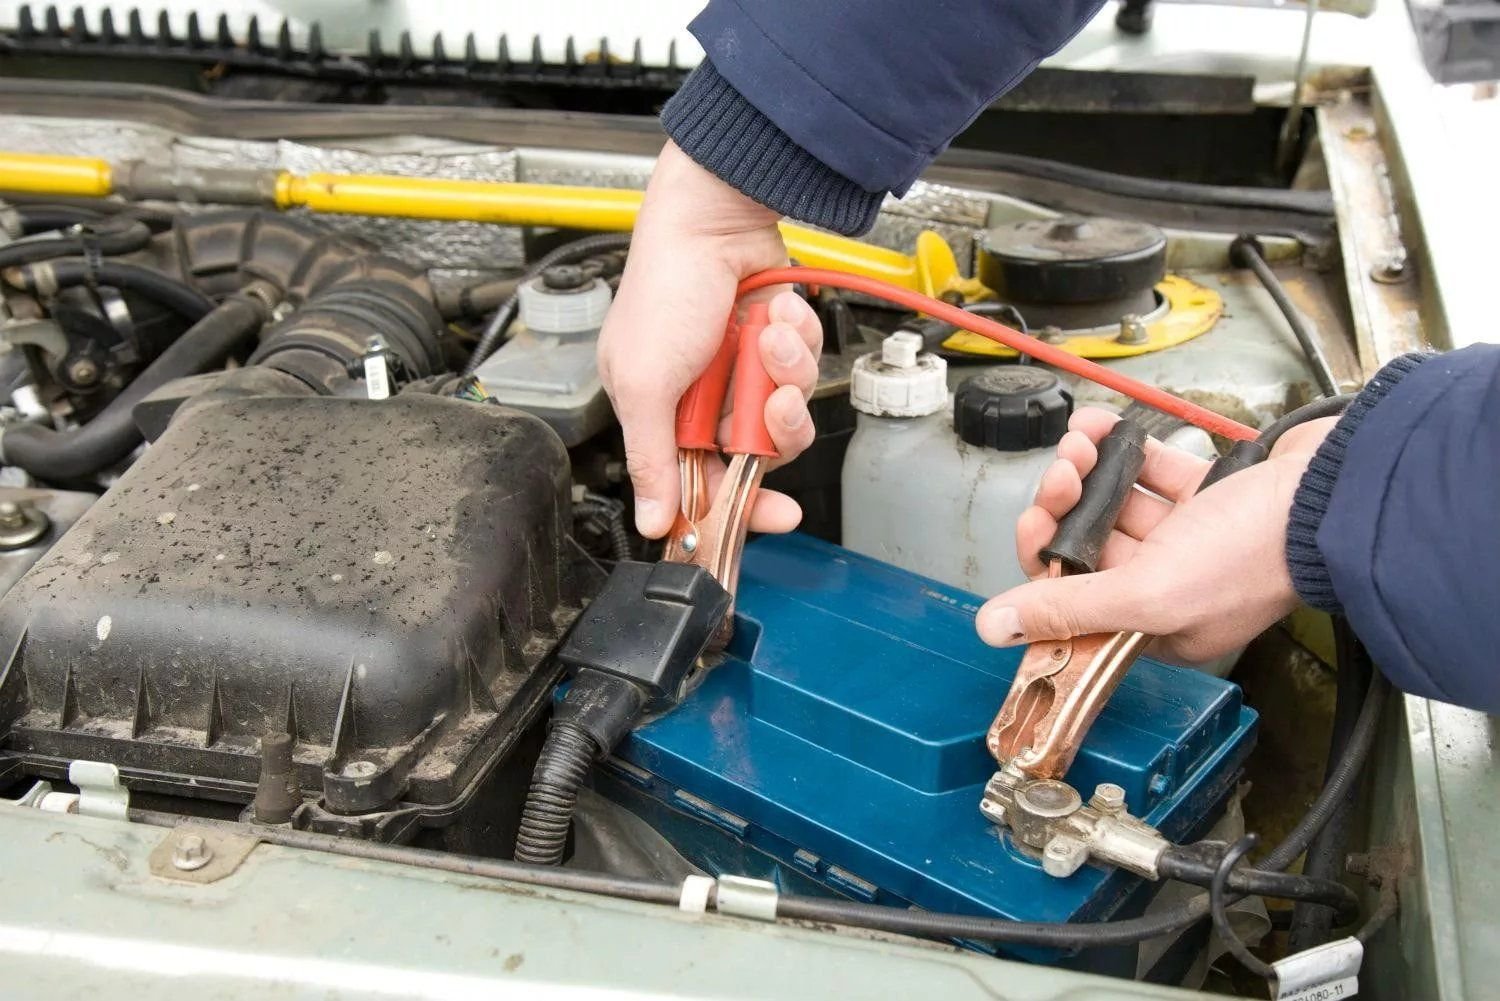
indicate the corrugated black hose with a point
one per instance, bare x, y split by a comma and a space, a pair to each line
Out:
564, 764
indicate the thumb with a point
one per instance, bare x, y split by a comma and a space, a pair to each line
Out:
1063, 607
647, 417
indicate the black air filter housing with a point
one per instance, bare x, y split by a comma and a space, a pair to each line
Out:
382, 579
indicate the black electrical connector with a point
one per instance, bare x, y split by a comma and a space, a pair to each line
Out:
631, 653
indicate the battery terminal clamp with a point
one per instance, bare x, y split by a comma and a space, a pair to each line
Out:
1050, 818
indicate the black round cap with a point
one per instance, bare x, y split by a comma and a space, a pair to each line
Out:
565, 278
1013, 409
1071, 259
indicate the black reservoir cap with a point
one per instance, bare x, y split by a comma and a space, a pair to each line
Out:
1013, 409
1072, 259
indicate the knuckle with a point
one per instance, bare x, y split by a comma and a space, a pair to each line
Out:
1052, 619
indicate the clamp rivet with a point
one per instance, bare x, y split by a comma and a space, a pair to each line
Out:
689, 543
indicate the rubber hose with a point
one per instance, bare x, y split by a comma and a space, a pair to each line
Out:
112, 434
1329, 406
494, 331
114, 239
181, 299
1245, 252
564, 763
1186, 865
1312, 922
42, 218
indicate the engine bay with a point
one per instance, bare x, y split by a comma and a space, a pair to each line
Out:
313, 504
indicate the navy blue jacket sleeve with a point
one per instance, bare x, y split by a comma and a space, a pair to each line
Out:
1396, 524
817, 108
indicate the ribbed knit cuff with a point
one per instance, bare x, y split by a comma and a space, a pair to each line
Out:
714, 124
1309, 571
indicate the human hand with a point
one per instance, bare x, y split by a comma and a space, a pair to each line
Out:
1204, 573
695, 239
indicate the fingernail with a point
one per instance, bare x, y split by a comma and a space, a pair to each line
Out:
648, 516
1003, 626
784, 345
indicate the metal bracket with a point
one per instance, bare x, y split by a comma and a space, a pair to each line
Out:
200, 854
100, 793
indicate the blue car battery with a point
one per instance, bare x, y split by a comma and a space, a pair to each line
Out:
839, 748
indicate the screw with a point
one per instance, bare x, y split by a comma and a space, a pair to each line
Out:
1108, 798
11, 515
1052, 335
1132, 330
1159, 784
83, 372
359, 769
191, 853
689, 543
1392, 270
1059, 653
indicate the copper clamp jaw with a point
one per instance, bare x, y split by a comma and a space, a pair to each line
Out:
711, 535
1061, 686
710, 531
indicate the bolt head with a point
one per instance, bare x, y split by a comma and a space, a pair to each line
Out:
191, 853
1132, 330
1108, 798
83, 372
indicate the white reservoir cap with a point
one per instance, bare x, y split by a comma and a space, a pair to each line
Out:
900, 380
548, 310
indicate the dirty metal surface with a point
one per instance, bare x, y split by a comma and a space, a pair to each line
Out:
214, 855
298, 924
1379, 266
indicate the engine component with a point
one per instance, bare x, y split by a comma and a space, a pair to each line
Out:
1074, 273
548, 367
786, 764
380, 580
920, 488
346, 303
